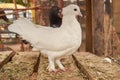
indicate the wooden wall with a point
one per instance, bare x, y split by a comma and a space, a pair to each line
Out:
116, 14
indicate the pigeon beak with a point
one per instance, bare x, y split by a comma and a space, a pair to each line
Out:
80, 14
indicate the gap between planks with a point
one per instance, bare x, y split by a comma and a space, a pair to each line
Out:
7, 59
82, 69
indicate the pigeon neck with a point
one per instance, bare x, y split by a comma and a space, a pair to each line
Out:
68, 19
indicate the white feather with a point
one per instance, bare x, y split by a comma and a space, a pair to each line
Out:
107, 60
53, 42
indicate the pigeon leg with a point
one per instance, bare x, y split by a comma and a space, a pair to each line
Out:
51, 66
60, 64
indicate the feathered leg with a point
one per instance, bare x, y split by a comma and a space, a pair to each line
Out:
51, 66
60, 64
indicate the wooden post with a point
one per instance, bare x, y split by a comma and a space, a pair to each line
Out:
89, 41
16, 11
98, 26
1, 44
17, 16
37, 12
116, 15
116, 27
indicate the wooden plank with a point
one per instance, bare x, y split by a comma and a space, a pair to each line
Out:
21, 66
72, 74
97, 67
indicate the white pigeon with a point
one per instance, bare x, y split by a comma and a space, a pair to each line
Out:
53, 42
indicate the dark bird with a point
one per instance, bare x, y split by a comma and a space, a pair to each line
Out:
55, 17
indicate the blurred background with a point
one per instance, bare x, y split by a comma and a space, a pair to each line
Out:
100, 22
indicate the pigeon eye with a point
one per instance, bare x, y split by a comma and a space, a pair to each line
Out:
75, 9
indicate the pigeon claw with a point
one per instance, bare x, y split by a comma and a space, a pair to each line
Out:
63, 70
50, 69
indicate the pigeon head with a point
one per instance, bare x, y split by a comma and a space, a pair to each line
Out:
71, 10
